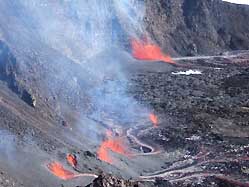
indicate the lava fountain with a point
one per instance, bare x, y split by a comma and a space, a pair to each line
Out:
58, 170
71, 159
154, 120
114, 144
143, 50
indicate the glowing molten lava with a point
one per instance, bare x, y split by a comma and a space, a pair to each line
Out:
72, 160
144, 51
154, 120
114, 144
58, 170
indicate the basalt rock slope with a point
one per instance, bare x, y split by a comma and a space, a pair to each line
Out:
67, 120
191, 27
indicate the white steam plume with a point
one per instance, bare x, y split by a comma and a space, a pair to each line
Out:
84, 28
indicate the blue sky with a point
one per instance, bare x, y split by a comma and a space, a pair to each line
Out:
238, 1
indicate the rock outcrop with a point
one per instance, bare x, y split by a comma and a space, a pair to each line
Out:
111, 181
8, 73
194, 27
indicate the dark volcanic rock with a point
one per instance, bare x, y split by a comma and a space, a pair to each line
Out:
206, 115
203, 130
111, 181
191, 27
7, 181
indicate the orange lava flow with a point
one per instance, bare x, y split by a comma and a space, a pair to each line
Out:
58, 170
72, 160
114, 144
145, 51
154, 120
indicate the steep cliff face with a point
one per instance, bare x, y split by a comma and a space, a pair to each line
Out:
9, 71
193, 27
